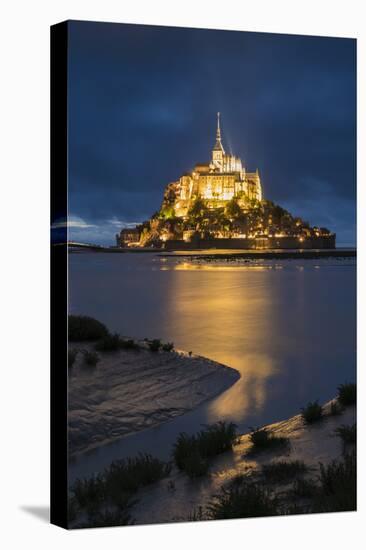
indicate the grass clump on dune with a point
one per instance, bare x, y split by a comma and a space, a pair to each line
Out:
242, 500
89, 493
194, 464
83, 328
154, 345
283, 471
187, 456
313, 412
347, 394
263, 439
337, 486
109, 342
191, 452
335, 408
185, 446
217, 438
348, 434
113, 342
129, 343
110, 518
107, 498
131, 473
305, 488
197, 514
168, 346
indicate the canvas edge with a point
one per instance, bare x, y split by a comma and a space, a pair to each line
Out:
58, 424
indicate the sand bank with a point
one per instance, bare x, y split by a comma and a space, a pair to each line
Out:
175, 498
132, 390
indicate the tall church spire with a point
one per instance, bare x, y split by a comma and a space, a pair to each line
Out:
218, 131
218, 144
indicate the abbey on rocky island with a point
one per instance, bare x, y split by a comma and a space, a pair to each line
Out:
221, 205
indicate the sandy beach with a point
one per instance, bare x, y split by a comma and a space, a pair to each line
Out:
175, 498
131, 390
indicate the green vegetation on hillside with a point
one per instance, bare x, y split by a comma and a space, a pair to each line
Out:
210, 219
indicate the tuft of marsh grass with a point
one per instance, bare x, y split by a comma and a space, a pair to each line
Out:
195, 465
217, 438
154, 345
242, 500
183, 448
83, 328
313, 412
71, 357
347, 394
305, 488
110, 342
91, 358
262, 439
283, 471
129, 343
348, 434
190, 452
168, 346
338, 486
107, 497
335, 408
113, 342
109, 518
127, 475
197, 514
89, 492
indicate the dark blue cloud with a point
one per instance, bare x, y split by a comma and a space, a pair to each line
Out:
142, 104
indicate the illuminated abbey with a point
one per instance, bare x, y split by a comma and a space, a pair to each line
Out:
217, 182
220, 205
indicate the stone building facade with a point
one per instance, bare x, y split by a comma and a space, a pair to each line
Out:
128, 236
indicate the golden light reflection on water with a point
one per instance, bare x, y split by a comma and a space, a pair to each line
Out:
189, 266
250, 392
231, 320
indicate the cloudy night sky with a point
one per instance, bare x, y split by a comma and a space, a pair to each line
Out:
142, 111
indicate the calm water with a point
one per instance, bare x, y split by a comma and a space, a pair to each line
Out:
289, 328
